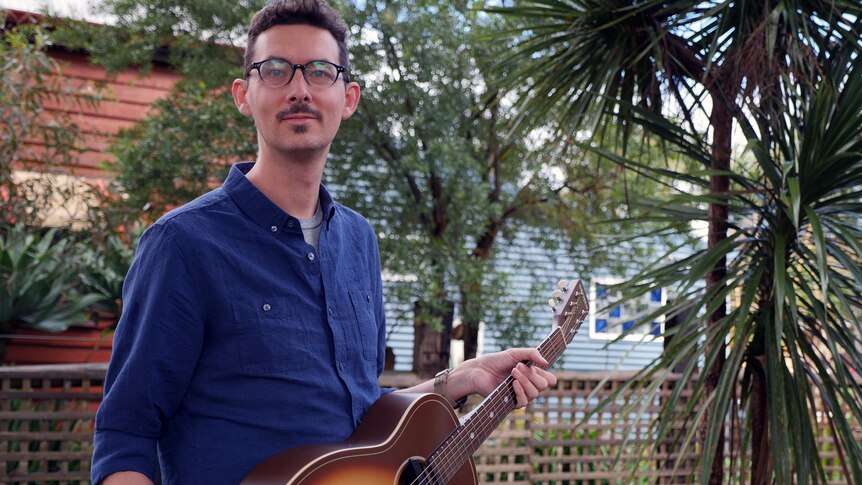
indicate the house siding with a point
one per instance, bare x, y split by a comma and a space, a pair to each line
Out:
122, 100
532, 273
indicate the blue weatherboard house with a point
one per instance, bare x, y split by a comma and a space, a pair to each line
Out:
532, 273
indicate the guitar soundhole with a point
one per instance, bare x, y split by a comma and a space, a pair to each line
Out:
412, 471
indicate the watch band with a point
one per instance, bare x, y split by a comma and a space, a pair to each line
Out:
441, 381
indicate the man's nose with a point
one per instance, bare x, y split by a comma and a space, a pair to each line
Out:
297, 88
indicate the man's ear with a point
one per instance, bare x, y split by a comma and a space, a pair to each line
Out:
239, 89
351, 100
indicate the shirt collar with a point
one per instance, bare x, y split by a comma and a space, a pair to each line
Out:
258, 207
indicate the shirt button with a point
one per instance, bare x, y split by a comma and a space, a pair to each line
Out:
310, 256
266, 307
340, 367
368, 297
273, 229
330, 311
290, 223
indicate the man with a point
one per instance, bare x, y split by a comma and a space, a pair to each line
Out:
253, 318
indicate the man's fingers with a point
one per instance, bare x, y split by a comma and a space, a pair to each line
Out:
549, 376
520, 397
528, 383
533, 355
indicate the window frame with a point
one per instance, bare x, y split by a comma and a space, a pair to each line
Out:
606, 334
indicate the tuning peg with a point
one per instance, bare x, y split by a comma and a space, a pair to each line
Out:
563, 284
552, 303
557, 294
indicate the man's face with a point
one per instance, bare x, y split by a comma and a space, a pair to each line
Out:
295, 119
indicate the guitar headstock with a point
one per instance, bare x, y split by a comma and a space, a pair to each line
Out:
570, 307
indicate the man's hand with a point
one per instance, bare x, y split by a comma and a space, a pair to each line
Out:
127, 478
483, 374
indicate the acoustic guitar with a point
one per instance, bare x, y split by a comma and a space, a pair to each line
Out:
408, 438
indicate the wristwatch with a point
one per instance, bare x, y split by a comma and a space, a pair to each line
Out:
440, 382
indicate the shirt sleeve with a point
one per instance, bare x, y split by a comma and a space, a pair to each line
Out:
156, 346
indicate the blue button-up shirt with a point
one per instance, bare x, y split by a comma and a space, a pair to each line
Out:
239, 340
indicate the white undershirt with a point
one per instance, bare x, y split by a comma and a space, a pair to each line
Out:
311, 227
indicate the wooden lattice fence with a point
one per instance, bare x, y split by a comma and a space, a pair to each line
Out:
46, 422
551, 443
47, 415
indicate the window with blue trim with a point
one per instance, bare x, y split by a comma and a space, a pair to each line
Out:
609, 322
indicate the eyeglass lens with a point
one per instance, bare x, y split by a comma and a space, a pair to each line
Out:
277, 73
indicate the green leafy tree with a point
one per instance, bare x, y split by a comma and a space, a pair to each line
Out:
181, 150
185, 145
428, 158
202, 40
424, 159
779, 225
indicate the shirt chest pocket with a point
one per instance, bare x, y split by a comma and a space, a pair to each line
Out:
273, 337
363, 308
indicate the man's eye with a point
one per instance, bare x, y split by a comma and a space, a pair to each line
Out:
276, 72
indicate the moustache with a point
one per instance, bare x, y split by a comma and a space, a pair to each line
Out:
297, 109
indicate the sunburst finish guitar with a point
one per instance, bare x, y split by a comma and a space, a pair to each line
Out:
413, 439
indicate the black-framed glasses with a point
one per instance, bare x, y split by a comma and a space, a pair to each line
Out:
275, 72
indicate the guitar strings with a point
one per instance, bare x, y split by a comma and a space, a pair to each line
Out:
453, 459
455, 451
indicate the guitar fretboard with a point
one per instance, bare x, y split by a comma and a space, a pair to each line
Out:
460, 445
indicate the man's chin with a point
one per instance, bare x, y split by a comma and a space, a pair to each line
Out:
301, 151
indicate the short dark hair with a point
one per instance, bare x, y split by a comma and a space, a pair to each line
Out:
316, 13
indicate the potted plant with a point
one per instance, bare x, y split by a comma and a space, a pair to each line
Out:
39, 283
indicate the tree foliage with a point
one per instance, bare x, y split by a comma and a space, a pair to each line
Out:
428, 157
50, 278
185, 145
33, 139
202, 40
182, 150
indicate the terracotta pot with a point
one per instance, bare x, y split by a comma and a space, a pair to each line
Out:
88, 342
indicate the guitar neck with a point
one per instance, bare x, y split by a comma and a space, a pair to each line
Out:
475, 428
484, 419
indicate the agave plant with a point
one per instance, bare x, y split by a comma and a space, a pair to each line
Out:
105, 268
39, 275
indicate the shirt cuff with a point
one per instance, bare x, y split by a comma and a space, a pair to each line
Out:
115, 451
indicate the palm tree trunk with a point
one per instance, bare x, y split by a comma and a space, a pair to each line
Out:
761, 463
722, 124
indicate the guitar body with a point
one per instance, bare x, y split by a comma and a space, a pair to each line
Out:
387, 448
